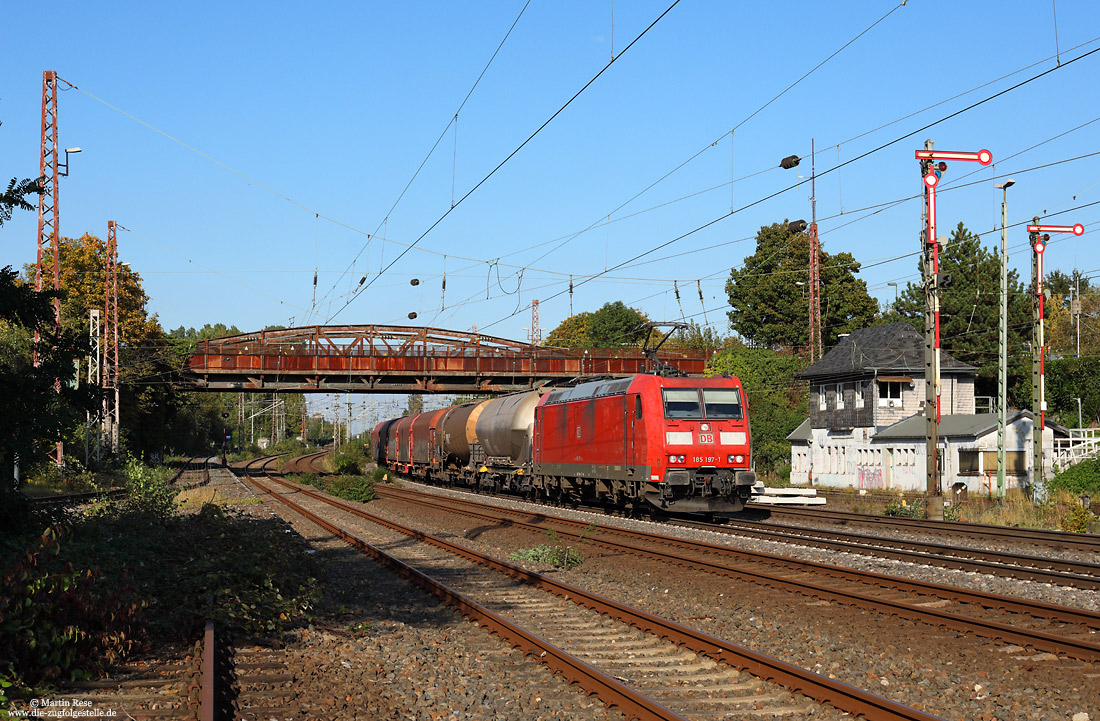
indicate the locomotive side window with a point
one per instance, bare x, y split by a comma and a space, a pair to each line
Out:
682, 403
638, 407
722, 403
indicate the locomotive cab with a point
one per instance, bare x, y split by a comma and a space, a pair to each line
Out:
704, 466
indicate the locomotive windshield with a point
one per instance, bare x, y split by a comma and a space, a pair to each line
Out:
717, 403
722, 403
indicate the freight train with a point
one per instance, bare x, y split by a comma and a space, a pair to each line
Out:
648, 442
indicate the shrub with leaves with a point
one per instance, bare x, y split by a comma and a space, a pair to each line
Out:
350, 458
1077, 519
59, 623
1081, 479
353, 488
902, 509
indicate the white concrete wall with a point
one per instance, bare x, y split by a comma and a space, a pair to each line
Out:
856, 462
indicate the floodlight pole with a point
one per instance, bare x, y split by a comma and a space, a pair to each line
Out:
1039, 236
932, 166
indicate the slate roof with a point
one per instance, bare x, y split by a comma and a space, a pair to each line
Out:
892, 348
958, 425
802, 433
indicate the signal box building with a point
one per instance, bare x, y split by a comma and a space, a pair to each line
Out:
866, 426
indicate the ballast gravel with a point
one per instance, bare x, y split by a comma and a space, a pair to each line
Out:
384, 649
952, 675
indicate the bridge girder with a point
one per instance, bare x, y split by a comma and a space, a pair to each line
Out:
401, 359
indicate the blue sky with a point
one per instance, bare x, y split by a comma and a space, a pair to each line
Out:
305, 125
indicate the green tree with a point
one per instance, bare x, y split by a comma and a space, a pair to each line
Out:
769, 299
14, 198
34, 411
969, 314
776, 401
697, 337
615, 325
1065, 285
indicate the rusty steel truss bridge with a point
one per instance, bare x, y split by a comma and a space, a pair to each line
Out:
400, 359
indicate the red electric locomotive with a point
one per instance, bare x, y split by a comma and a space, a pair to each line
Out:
680, 444
664, 443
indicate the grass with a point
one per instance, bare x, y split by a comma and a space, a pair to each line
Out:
194, 498
1060, 512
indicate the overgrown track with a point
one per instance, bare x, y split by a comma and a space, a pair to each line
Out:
686, 681
1058, 540
64, 500
1046, 627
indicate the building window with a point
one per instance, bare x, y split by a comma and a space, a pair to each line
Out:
821, 398
969, 463
861, 391
889, 394
840, 396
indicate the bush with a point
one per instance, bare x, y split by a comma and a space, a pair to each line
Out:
148, 492
350, 458
69, 609
1078, 480
903, 509
1077, 519
381, 475
353, 488
58, 623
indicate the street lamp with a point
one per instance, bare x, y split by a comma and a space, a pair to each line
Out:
65, 165
1080, 423
895, 294
1002, 338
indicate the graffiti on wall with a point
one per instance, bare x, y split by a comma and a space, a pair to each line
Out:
869, 476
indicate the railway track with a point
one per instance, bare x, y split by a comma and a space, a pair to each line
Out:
648, 667
65, 500
1057, 540
1079, 574
1044, 627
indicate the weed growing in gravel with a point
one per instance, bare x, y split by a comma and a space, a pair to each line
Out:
555, 553
362, 628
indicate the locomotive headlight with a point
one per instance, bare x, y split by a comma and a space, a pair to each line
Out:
740, 459
676, 459
735, 459
672, 459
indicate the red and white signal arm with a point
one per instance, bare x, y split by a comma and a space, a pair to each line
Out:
982, 157
1075, 229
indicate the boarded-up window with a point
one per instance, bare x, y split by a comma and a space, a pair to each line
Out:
1015, 462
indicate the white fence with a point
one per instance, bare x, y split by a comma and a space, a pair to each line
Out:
1082, 444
